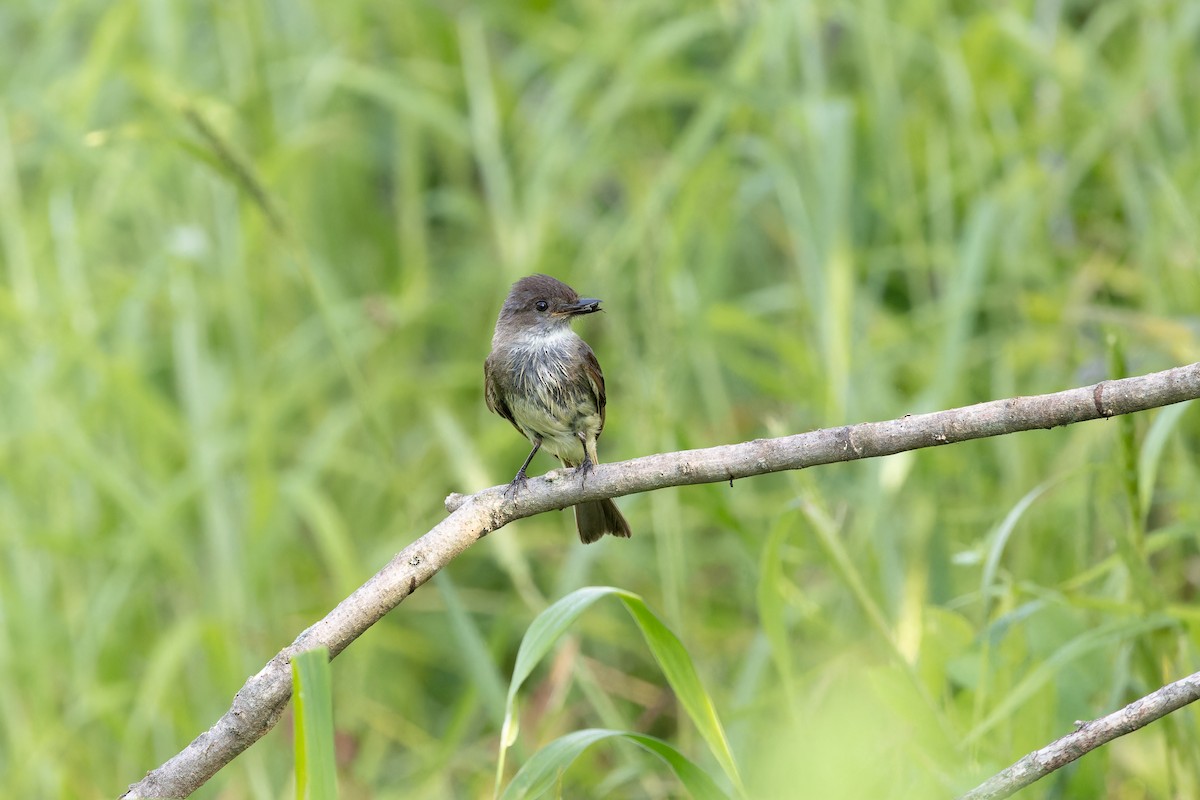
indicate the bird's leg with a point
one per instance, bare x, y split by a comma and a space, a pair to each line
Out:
518, 483
586, 465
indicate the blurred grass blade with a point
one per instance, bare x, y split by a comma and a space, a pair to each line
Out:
316, 768
828, 537
549, 763
967, 296
1118, 367
477, 660
771, 605
1121, 631
1000, 540
1132, 545
1151, 453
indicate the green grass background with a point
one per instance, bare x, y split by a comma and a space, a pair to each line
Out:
252, 254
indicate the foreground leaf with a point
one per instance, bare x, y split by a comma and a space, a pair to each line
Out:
668, 651
549, 763
316, 768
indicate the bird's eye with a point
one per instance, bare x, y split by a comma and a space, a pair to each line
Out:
541, 305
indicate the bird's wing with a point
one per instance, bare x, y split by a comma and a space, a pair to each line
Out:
596, 379
494, 397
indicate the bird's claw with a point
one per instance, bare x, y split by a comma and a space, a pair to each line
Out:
516, 486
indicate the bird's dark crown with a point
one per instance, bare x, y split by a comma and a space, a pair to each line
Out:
526, 293
539, 302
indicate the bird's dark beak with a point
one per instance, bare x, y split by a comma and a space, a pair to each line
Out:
584, 305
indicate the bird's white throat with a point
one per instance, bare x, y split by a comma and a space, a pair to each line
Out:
557, 338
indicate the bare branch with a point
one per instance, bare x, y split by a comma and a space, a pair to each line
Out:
1087, 737
259, 703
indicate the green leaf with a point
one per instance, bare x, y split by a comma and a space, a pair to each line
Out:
677, 666
549, 763
668, 651
543, 632
316, 768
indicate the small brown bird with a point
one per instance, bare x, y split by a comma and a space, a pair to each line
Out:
545, 380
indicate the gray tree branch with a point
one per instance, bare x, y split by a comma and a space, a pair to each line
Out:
260, 702
1087, 737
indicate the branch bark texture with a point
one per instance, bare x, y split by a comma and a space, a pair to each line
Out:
260, 702
1087, 737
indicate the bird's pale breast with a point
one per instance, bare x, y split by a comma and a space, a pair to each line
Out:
551, 397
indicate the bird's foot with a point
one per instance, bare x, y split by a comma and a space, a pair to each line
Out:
583, 469
516, 486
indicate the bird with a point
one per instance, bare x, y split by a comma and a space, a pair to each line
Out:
545, 380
